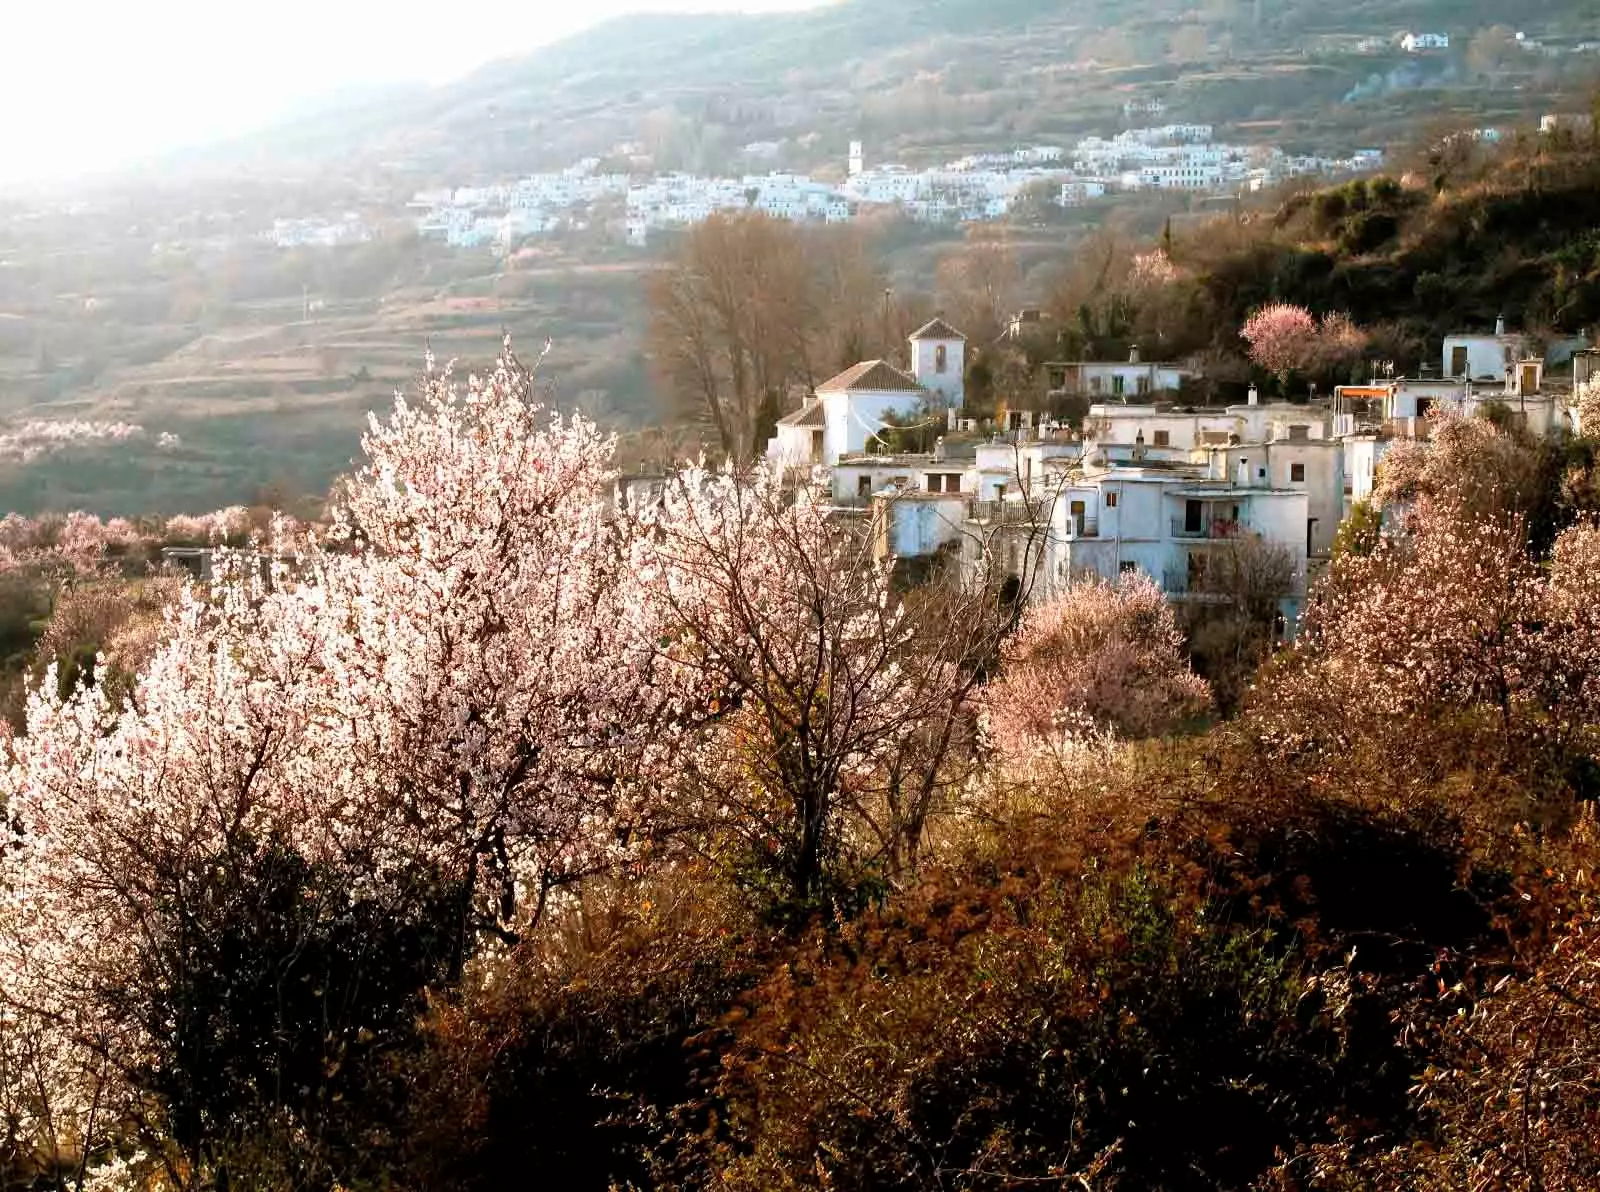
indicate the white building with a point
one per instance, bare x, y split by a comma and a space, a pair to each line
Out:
1080, 191
1166, 520
1120, 378
938, 361
1416, 43
1483, 357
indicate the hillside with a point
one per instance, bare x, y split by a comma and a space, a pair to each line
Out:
696, 87
154, 300
1467, 236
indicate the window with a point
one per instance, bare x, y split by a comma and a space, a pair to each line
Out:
936, 482
941, 359
1261, 473
1095, 385
1299, 434
1127, 566
1142, 384
999, 492
864, 486
1119, 385
1163, 438
1297, 472
1111, 500
952, 482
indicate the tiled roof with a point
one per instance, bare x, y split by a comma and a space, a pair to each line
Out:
936, 329
811, 414
871, 374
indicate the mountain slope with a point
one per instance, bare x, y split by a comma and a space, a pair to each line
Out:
975, 68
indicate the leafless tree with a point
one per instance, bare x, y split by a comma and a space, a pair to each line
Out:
751, 308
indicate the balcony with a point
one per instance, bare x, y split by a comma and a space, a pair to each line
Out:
1010, 513
1211, 528
1407, 428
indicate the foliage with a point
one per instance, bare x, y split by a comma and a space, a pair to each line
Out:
510, 830
1099, 658
1285, 338
753, 306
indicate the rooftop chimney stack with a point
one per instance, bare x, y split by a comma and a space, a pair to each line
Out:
1500, 325
1255, 396
1133, 354
938, 450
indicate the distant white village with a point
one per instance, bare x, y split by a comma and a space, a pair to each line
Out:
980, 187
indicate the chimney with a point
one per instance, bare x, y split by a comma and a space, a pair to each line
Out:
1255, 396
1133, 354
1138, 446
938, 450
1500, 325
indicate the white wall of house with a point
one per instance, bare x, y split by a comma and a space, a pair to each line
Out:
1315, 467
1122, 379
939, 365
920, 524
1108, 424
1484, 357
796, 446
855, 416
854, 482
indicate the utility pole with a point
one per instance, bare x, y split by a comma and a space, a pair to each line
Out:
888, 342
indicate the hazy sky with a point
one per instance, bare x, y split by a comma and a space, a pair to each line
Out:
87, 85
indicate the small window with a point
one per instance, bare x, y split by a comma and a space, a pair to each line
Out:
1142, 384
999, 492
1119, 385
1299, 434
952, 482
1163, 438
1261, 473
941, 359
1127, 566
1095, 385
1111, 500
936, 482
1297, 472
864, 486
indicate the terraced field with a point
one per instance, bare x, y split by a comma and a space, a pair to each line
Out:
269, 398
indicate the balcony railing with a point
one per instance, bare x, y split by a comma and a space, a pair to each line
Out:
1214, 527
1010, 513
1407, 428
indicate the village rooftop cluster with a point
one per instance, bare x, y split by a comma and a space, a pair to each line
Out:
1147, 484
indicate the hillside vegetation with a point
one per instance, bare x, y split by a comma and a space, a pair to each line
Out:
1465, 235
679, 848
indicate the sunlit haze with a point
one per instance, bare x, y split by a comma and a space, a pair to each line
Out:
99, 84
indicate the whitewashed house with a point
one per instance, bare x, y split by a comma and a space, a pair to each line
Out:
847, 411
1483, 357
938, 361
1417, 43
1122, 379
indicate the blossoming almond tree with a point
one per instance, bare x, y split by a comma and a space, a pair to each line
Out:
451, 687
844, 703
1101, 658
1285, 338
1282, 338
